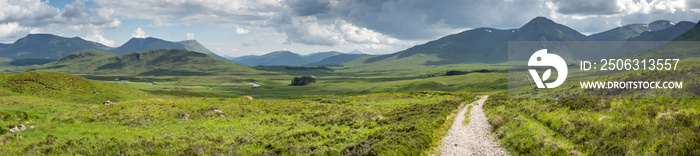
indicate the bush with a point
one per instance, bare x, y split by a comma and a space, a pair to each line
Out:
300, 81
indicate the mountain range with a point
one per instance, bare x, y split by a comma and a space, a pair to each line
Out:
47, 46
480, 45
489, 45
280, 58
145, 63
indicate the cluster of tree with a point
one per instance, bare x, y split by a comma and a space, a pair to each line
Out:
304, 80
308, 68
457, 72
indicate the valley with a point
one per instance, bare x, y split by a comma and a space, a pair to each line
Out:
156, 97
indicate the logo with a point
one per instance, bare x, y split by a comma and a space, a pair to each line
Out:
542, 59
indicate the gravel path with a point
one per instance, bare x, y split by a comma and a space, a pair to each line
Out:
472, 139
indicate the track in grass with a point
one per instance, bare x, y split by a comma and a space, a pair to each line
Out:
474, 138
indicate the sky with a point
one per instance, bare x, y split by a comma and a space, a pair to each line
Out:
255, 27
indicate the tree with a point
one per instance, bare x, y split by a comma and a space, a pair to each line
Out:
300, 81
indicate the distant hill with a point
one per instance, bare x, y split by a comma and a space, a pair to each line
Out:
315, 57
287, 58
675, 50
337, 59
481, 45
271, 59
667, 34
630, 31
47, 46
23, 61
141, 44
149, 62
691, 35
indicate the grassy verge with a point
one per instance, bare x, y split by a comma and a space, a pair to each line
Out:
596, 126
377, 124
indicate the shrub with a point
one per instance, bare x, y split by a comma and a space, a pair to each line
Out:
304, 80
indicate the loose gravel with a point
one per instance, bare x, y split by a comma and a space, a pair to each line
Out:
474, 138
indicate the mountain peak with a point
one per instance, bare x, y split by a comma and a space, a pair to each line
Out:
540, 20
660, 25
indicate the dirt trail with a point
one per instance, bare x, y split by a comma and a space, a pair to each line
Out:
474, 138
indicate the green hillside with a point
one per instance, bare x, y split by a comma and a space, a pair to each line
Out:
149, 62
66, 87
47, 46
315, 57
340, 58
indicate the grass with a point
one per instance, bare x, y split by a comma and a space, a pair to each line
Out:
467, 115
377, 124
65, 87
596, 126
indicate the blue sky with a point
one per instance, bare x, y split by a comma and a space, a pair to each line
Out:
253, 27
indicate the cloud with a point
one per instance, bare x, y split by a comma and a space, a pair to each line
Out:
139, 33
12, 30
190, 36
168, 12
241, 31
392, 23
588, 7
27, 16
96, 36
309, 7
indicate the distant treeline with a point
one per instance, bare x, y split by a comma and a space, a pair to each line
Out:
307, 68
457, 72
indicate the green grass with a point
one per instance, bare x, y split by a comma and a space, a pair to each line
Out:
467, 115
65, 87
596, 126
387, 123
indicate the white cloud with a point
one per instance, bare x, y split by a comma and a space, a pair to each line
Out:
190, 36
38, 16
12, 29
96, 36
241, 31
139, 33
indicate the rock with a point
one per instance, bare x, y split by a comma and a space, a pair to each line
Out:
106, 103
15, 129
185, 116
218, 111
248, 97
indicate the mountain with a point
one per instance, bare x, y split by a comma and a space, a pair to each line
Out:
691, 35
675, 50
145, 63
141, 44
481, 45
272, 59
337, 59
666, 34
315, 57
47, 46
193, 45
83, 56
631, 30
